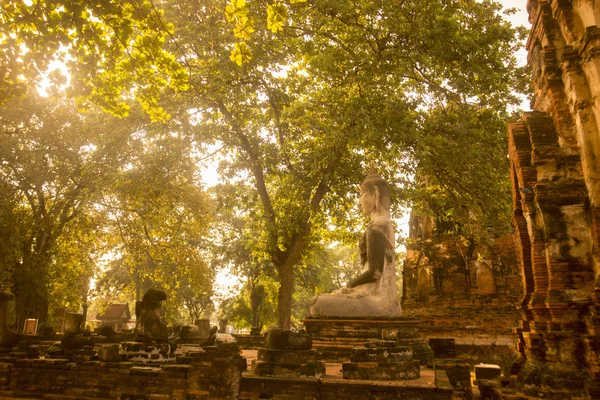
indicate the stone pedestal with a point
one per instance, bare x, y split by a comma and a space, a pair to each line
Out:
72, 323
288, 354
222, 326
487, 371
288, 363
203, 326
335, 337
381, 360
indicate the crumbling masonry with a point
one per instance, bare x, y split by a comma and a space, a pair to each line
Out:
555, 168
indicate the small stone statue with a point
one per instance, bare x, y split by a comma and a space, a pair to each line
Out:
373, 293
148, 321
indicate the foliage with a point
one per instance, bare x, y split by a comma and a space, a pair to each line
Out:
459, 150
84, 190
52, 163
156, 218
233, 241
112, 48
343, 85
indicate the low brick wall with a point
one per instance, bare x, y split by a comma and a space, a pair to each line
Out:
99, 380
213, 375
461, 316
500, 350
502, 355
330, 389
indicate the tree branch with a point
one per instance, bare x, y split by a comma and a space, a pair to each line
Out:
257, 168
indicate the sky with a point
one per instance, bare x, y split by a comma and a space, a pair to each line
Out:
521, 17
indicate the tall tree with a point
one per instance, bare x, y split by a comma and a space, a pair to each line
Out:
52, 163
156, 219
341, 85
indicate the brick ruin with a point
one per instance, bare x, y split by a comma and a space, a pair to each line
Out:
555, 171
467, 291
536, 291
444, 276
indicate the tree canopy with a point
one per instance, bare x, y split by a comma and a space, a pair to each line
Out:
95, 196
300, 98
112, 48
344, 85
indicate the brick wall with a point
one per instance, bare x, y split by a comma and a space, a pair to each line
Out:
212, 374
554, 153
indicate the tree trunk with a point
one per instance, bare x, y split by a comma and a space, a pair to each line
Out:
284, 296
29, 288
85, 304
255, 302
138, 288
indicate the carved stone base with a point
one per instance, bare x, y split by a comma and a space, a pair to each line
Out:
381, 360
288, 363
396, 371
335, 337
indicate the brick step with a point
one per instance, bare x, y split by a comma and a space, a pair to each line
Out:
19, 398
14, 395
71, 397
10, 395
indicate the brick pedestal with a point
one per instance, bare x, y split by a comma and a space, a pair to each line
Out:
288, 363
335, 337
381, 360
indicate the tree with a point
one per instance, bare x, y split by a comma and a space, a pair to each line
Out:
52, 164
81, 189
156, 218
233, 241
459, 150
343, 85
112, 48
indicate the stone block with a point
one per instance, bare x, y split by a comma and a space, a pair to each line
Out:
311, 369
442, 382
420, 348
286, 339
202, 324
224, 338
487, 371
459, 372
288, 363
389, 354
287, 356
255, 331
72, 322
443, 347
401, 370
250, 341
380, 343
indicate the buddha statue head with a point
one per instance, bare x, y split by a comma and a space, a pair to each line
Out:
374, 194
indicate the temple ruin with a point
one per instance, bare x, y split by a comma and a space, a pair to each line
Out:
514, 318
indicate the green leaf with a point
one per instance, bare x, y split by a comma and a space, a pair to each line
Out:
240, 54
276, 17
